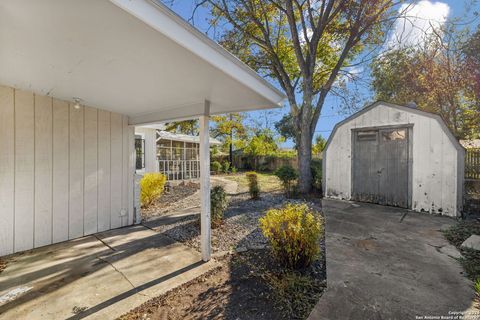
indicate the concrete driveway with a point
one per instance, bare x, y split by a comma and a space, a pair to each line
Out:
389, 263
96, 277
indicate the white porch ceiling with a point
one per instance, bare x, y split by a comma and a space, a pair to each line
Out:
134, 57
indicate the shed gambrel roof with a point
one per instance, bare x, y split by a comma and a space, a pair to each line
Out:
435, 116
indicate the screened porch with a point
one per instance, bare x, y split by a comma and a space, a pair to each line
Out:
178, 160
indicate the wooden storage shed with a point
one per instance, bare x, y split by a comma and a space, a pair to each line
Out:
395, 155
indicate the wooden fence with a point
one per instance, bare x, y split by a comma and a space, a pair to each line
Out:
472, 164
262, 163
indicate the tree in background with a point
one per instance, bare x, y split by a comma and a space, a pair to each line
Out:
471, 53
262, 143
303, 45
230, 128
441, 77
286, 128
189, 127
318, 146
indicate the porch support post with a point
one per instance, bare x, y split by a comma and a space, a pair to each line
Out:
205, 183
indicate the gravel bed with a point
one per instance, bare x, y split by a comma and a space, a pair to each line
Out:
180, 196
239, 231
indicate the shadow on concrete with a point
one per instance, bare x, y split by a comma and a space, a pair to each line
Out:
133, 291
51, 268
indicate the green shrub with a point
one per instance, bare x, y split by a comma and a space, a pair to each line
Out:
151, 187
226, 166
234, 170
263, 168
216, 167
294, 233
218, 205
316, 167
287, 176
253, 187
477, 286
460, 232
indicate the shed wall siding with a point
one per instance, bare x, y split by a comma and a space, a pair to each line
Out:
65, 173
434, 164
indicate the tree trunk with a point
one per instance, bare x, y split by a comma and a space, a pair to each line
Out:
231, 141
230, 153
305, 158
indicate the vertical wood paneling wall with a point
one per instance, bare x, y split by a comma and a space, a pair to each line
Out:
437, 166
64, 172
150, 136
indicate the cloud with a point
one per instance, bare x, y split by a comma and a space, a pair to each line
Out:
301, 35
417, 22
349, 74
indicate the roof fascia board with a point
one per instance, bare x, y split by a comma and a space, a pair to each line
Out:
181, 113
191, 139
162, 19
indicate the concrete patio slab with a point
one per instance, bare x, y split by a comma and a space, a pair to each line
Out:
388, 263
96, 277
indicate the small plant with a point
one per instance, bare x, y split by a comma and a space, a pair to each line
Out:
294, 233
226, 167
216, 167
316, 167
234, 170
477, 287
253, 187
287, 175
218, 205
151, 187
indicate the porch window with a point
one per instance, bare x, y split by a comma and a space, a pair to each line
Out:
140, 153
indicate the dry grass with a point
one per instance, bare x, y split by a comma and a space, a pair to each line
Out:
267, 181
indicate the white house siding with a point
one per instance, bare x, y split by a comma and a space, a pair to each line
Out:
64, 172
437, 167
150, 136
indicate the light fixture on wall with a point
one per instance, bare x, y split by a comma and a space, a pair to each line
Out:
77, 103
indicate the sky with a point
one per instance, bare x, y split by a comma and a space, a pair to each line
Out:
422, 15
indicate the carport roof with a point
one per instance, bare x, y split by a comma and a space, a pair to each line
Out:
135, 57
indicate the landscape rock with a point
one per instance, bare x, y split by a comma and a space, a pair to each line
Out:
451, 251
473, 242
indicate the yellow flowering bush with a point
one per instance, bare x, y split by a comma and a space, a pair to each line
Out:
151, 187
294, 233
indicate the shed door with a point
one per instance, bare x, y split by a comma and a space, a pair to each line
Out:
380, 166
